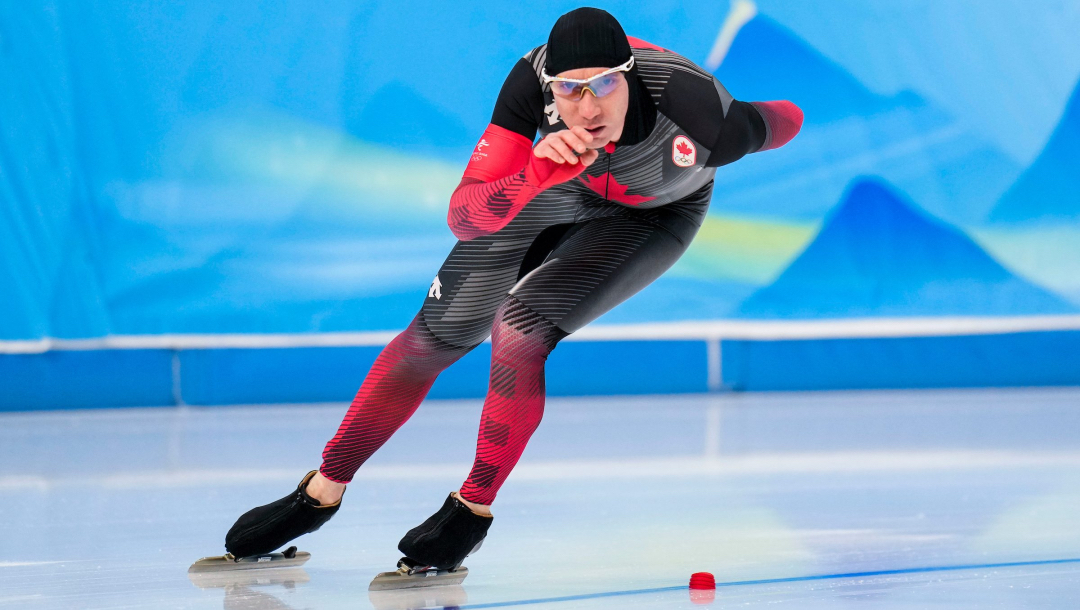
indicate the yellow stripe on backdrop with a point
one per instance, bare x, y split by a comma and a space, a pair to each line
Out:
743, 249
1045, 254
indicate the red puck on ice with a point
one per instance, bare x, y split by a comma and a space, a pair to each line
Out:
702, 580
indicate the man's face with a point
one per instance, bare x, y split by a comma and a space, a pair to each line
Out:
603, 117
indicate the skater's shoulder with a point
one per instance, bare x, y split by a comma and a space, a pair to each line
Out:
520, 104
676, 84
534, 60
658, 64
684, 92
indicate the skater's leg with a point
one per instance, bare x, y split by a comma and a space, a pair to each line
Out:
520, 343
456, 317
398, 381
391, 392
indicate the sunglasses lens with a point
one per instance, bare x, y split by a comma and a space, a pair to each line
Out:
604, 85
599, 87
566, 89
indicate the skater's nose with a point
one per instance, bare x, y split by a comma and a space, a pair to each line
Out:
589, 107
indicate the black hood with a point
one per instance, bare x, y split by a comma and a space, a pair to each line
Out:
592, 38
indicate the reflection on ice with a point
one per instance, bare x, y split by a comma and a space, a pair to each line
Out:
288, 578
238, 586
413, 599
238, 597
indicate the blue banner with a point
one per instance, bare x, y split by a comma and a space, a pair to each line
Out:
258, 166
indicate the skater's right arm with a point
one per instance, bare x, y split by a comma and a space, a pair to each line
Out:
481, 207
505, 172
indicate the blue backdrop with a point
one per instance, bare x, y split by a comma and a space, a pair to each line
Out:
285, 166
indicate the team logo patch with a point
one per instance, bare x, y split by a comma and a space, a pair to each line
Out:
479, 154
683, 152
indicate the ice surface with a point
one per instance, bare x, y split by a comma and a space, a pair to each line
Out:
616, 502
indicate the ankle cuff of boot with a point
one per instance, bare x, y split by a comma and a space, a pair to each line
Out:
459, 501
310, 501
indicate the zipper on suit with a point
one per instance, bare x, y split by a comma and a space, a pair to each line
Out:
607, 175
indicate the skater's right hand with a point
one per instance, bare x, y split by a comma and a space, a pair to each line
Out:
560, 147
553, 160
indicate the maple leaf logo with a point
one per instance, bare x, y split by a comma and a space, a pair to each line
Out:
609, 188
682, 152
598, 185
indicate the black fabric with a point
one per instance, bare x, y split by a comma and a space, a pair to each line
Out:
742, 132
693, 103
641, 112
263, 529
602, 262
520, 105
542, 246
595, 264
446, 538
586, 38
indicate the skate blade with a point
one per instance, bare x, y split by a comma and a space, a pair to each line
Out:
401, 579
224, 563
289, 578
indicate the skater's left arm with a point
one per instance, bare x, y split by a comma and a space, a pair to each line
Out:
729, 128
750, 127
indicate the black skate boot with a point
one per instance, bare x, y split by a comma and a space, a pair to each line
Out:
435, 549
261, 530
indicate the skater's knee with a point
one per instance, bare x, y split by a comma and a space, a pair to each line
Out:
460, 328
418, 347
519, 331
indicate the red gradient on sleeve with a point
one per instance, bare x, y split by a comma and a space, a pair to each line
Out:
784, 120
499, 153
545, 173
499, 182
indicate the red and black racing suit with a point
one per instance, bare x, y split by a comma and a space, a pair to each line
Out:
546, 248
